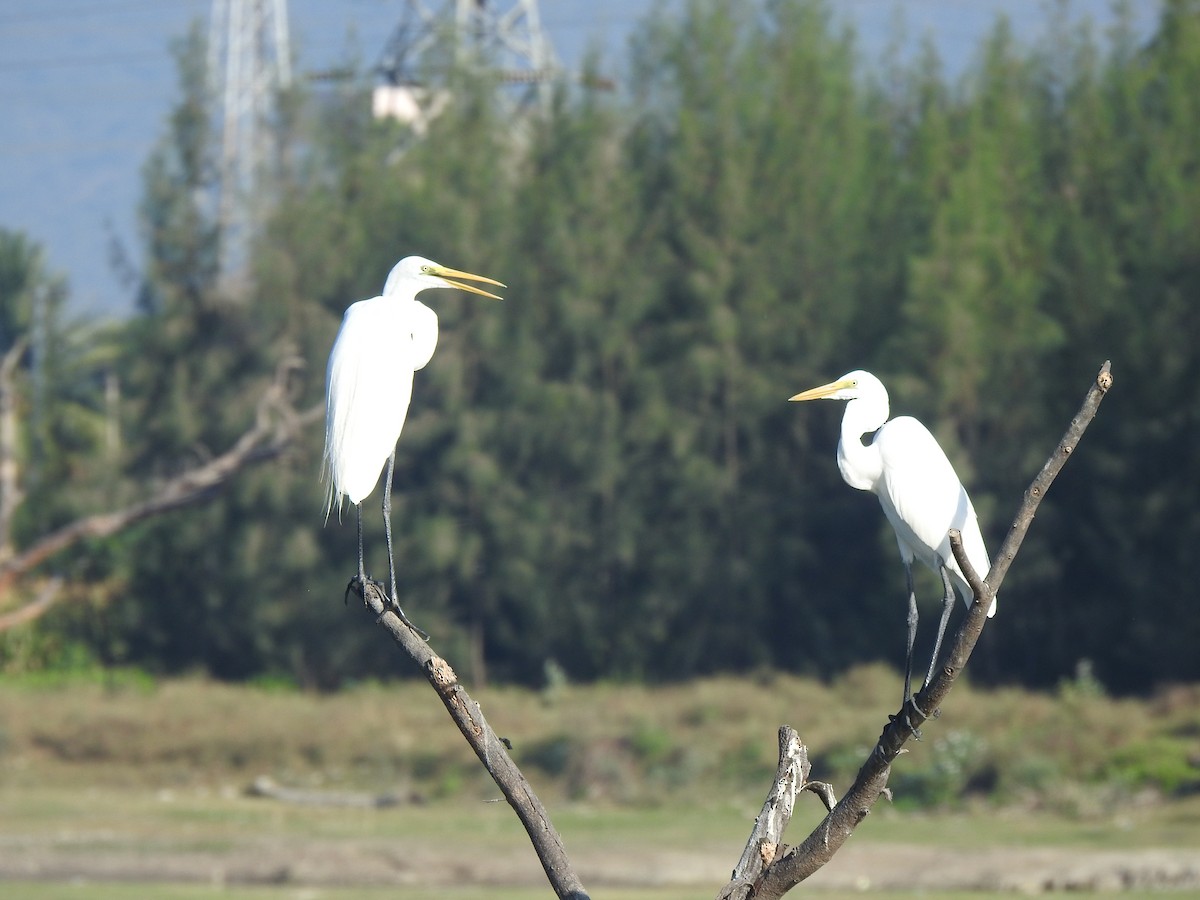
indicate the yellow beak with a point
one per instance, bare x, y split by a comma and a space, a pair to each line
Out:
824, 390
448, 274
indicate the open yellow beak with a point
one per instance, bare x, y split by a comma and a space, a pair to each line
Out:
824, 390
449, 274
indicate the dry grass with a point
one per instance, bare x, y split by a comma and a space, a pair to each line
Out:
618, 743
141, 782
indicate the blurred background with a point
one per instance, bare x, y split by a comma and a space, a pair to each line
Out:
724, 204
607, 515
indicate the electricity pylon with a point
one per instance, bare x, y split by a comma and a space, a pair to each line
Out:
249, 63
504, 39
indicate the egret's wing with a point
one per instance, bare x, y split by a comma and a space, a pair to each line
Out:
368, 388
923, 499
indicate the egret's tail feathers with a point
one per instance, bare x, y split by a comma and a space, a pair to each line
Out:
964, 590
333, 497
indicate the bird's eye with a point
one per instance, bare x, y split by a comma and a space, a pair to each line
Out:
428, 270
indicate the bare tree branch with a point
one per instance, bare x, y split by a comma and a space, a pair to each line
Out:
45, 598
827, 838
824, 790
1037, 490
276, 425
766, 840
490, 749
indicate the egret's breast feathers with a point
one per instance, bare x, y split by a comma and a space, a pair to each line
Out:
368, 389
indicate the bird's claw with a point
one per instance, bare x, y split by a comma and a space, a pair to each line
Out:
916, 732
907, 722
388, 602
356, 585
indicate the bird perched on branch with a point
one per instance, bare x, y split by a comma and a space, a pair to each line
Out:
918, 489
368, 386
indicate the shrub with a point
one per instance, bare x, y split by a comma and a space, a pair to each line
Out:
1167, 763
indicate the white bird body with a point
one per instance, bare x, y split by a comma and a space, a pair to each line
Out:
367, 404
921, 496
368, 385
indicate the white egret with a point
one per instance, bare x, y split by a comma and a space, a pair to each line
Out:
918, 489
368, 386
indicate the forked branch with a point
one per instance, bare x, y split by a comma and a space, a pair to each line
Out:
766, 840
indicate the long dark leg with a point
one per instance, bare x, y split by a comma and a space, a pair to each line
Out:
387, 526
912, 632
359, 580
947, 607
362, 566
387, 530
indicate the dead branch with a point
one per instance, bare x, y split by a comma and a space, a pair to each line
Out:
275, 427
827, 838
490, 749
45, 598
824, 790
766, 840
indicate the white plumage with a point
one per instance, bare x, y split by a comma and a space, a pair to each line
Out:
368, 385
922, 497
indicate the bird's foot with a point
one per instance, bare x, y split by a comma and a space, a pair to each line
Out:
908, 722
387, 601
356, 585
916, 732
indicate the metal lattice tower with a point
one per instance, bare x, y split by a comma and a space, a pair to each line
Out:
435, 36
249, 63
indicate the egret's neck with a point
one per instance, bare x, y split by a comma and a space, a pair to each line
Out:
400, 285
860, 463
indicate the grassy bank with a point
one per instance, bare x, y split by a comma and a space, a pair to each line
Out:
134, 788
1074, 751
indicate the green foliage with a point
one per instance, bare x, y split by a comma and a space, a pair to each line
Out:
20, 272
1084, 687
62, 425
552, 755
958, 760
1170, 764
602, 471
650, 744
748, 763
